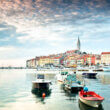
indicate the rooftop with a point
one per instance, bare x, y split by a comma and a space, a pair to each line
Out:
105, 53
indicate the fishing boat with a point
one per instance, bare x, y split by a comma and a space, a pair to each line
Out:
90, 98
40, 86
71, 83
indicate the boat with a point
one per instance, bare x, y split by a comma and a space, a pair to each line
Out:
96, 68
90, 98
83, 106
72, 84
106, 68
61, 76
40, 86
89, 74
80, 68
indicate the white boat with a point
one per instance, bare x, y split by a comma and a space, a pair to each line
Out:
79, 68
106, 68
40, 86
61, 76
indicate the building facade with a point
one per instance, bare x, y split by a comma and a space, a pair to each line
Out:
105, 58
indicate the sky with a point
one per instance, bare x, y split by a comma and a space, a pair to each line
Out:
30, 28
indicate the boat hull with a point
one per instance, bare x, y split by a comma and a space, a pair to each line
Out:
106, 69
39, 92
84, 106
89, 75
74, 89
92, 103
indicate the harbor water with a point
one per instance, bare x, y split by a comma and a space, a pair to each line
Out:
16, 87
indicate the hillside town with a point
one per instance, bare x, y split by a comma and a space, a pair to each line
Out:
70, 58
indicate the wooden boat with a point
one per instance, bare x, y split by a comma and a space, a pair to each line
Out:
83, 106
90, 98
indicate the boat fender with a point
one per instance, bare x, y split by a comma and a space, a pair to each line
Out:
85, 89
43, 95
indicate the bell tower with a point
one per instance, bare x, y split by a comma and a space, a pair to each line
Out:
78, 44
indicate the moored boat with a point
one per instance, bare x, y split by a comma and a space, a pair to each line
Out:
74, 87
89, 74
61, 76
83, 106
79, 68
71, 83
40, 86
106, 68
90, 98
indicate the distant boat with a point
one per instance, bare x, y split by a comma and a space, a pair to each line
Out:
96, 68
89, 74
106, 68
90, 98
79, 68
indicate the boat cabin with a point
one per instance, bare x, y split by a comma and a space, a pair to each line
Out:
41, 84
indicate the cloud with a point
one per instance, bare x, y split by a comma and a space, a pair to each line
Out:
2, 29
41, 33
40, 12
50, 24
13, 62
7, 48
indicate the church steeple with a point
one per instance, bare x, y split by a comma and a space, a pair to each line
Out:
78, 44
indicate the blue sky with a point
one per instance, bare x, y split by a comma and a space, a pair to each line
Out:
30, 28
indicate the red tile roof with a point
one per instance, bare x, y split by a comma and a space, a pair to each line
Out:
71, 51
56, 57
105, 53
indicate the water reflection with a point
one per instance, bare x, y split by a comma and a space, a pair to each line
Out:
105, 78
39, 93
71, 96
16, 86
83, 106
91, 77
